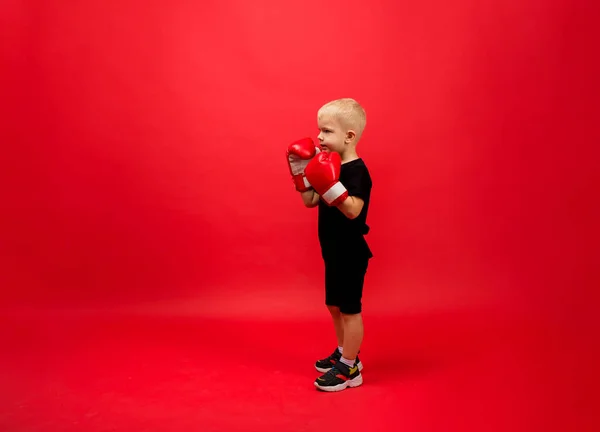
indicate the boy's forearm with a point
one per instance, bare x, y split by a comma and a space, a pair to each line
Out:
351, 207
310, 198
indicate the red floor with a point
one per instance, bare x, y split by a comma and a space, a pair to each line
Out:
134, 370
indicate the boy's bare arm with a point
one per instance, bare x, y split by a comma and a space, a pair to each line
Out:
310, 198
351, 207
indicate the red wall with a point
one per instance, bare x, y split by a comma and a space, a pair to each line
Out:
143, 148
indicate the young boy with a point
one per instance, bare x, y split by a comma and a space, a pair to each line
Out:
334, 178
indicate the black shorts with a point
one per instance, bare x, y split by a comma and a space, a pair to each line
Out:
344, 285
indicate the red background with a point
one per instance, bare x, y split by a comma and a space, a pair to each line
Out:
143, 154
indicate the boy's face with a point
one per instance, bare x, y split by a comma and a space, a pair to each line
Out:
332, 136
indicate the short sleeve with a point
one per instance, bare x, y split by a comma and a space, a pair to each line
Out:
358, 183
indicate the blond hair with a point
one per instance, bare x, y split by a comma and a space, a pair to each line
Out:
348, 112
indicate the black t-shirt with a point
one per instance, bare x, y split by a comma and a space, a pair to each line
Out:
342, 238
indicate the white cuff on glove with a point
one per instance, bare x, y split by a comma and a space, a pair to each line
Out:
334, 192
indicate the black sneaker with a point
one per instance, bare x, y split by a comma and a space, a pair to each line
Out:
325, 364
339, 377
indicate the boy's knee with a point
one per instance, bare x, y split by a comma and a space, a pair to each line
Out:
350, 316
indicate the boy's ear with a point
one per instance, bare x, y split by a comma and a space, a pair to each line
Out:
350, 135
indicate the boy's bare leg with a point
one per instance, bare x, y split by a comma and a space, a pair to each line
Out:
353, 335
338, 323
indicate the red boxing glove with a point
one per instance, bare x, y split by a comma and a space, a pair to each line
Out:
299, 154
323, 173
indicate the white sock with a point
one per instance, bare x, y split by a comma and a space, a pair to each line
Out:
349, 363
341, 349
